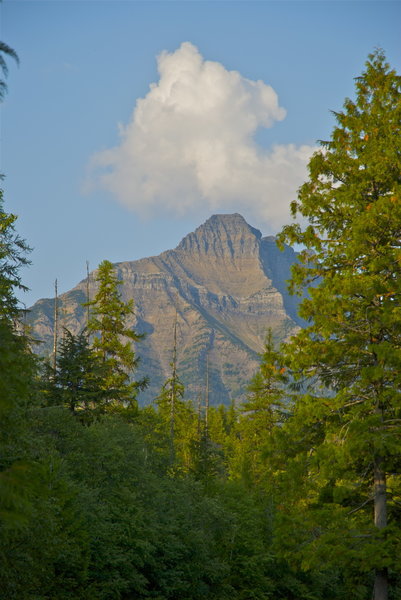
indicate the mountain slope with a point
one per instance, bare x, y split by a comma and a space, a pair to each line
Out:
224, 283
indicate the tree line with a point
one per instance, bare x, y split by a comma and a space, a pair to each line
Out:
296, 493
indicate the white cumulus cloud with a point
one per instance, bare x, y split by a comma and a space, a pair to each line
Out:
190, 147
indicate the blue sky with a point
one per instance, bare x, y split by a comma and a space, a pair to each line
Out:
99, 165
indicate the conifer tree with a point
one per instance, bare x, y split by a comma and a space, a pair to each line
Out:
14, 346
17, 369
266, 406
108, 324
170, 399
78, 380
13, 251
352, 201
177, 415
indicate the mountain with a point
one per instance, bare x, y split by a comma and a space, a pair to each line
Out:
224, 283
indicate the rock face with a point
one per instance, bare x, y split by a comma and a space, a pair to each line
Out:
224, 283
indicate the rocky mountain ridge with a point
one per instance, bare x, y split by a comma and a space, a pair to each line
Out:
224, 283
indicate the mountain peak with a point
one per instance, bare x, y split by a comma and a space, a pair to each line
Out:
223, 255
220, 289
233, 222
222, 235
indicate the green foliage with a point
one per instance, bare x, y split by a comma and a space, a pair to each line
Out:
170, 403
271, 501
266, 407
5, 50
177, 421
353, 343
78, 382
207, 460
13, 250
17, 368
106, 523
108, 321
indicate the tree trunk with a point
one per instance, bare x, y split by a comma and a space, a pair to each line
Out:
207, 397
380, 591
87, 296
55, 325
173, 383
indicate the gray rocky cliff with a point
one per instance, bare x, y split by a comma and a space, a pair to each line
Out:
227, 286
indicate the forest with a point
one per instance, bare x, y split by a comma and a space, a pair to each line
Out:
294, 494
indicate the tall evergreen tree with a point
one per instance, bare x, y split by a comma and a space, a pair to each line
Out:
170, 400
265, 407
172, 392
17, 368
353, 343
78, 380
177, 415
13, 251
108, 324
